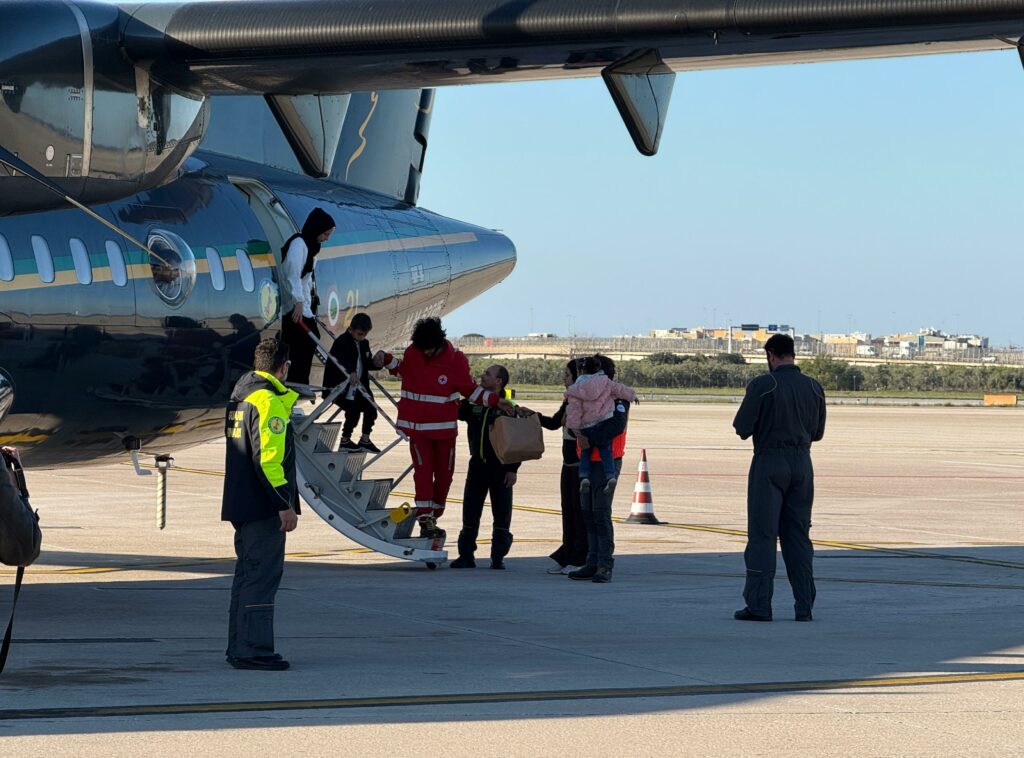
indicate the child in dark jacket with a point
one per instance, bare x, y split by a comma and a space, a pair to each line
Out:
352, 351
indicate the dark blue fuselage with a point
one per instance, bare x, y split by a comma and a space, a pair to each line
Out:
105, 346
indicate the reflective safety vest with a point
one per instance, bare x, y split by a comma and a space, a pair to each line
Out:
432, 389
259, 465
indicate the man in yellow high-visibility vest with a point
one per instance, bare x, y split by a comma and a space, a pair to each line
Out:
261, 502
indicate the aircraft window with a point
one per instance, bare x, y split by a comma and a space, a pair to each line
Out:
80, 256
118, 272
44, 261
6, 261
216, 269
245, 271
173, 265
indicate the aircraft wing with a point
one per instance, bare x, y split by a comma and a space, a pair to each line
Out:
313, 47
321, 46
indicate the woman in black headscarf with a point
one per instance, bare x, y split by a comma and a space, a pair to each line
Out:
572, 553
298, 298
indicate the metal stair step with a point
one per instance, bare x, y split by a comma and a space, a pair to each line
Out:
344, 464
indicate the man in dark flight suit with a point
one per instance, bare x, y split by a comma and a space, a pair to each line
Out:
784, 411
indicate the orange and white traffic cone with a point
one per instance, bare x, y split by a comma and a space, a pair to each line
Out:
642, 509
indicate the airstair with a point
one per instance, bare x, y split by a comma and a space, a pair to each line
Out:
332, 480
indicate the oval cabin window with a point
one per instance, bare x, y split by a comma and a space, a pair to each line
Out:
115, 259
6, 261
80, 257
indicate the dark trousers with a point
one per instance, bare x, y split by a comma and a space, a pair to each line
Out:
483, 479
573, 550
597, 519
259, 547
300, 347
355, 407
780, 493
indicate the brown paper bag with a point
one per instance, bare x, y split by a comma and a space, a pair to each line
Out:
517, 439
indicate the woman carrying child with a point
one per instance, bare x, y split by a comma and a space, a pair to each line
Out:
590, 413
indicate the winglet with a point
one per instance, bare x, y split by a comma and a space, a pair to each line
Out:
641, 86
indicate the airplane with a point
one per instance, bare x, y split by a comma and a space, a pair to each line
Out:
154, 156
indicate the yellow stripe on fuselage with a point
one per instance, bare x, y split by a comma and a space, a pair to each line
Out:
68, 277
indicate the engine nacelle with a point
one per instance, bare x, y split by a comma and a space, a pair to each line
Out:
75, 109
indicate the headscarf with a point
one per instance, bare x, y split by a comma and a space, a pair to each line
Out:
317, 222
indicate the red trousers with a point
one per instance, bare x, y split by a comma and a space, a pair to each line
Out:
433, 463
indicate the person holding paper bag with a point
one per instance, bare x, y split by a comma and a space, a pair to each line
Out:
486, 475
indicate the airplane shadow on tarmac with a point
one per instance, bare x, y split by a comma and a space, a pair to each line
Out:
662, 632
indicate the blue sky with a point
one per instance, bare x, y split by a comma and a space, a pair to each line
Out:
878, 195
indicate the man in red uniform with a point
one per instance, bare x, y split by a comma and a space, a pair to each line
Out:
435, 378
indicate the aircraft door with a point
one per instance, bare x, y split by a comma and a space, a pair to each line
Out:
270, 214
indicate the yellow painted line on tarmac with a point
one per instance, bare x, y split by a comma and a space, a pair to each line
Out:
739, 533
484, 698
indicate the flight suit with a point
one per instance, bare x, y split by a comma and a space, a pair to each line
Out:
784, 411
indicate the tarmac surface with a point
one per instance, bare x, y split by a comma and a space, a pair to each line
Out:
917, 647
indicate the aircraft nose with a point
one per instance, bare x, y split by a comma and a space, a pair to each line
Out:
481, 259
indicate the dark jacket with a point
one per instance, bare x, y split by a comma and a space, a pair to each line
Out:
782, 409
259, 465
570, 456
479, 420
347, 352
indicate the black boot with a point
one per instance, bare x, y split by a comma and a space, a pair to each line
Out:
464, 562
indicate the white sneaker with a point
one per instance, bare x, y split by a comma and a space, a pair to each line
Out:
556, 569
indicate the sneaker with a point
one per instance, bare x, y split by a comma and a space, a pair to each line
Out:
348, 445
609, 487
586, 572
464, 563
430, 530
559, 569
584, 486
367, 445
602, 575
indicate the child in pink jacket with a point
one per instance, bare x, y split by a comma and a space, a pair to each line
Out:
591, 413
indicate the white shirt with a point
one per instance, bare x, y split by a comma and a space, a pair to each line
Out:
297, 288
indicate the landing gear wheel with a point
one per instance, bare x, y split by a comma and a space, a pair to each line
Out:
431, 565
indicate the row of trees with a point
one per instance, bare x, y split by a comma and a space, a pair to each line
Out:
667, 370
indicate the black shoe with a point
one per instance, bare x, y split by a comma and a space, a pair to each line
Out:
602, 575
260, 663
804, 616
349, 445
275, 657
746, 615
463, 563
609, 488
498, 564
584, 486
587, 572
367, 445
